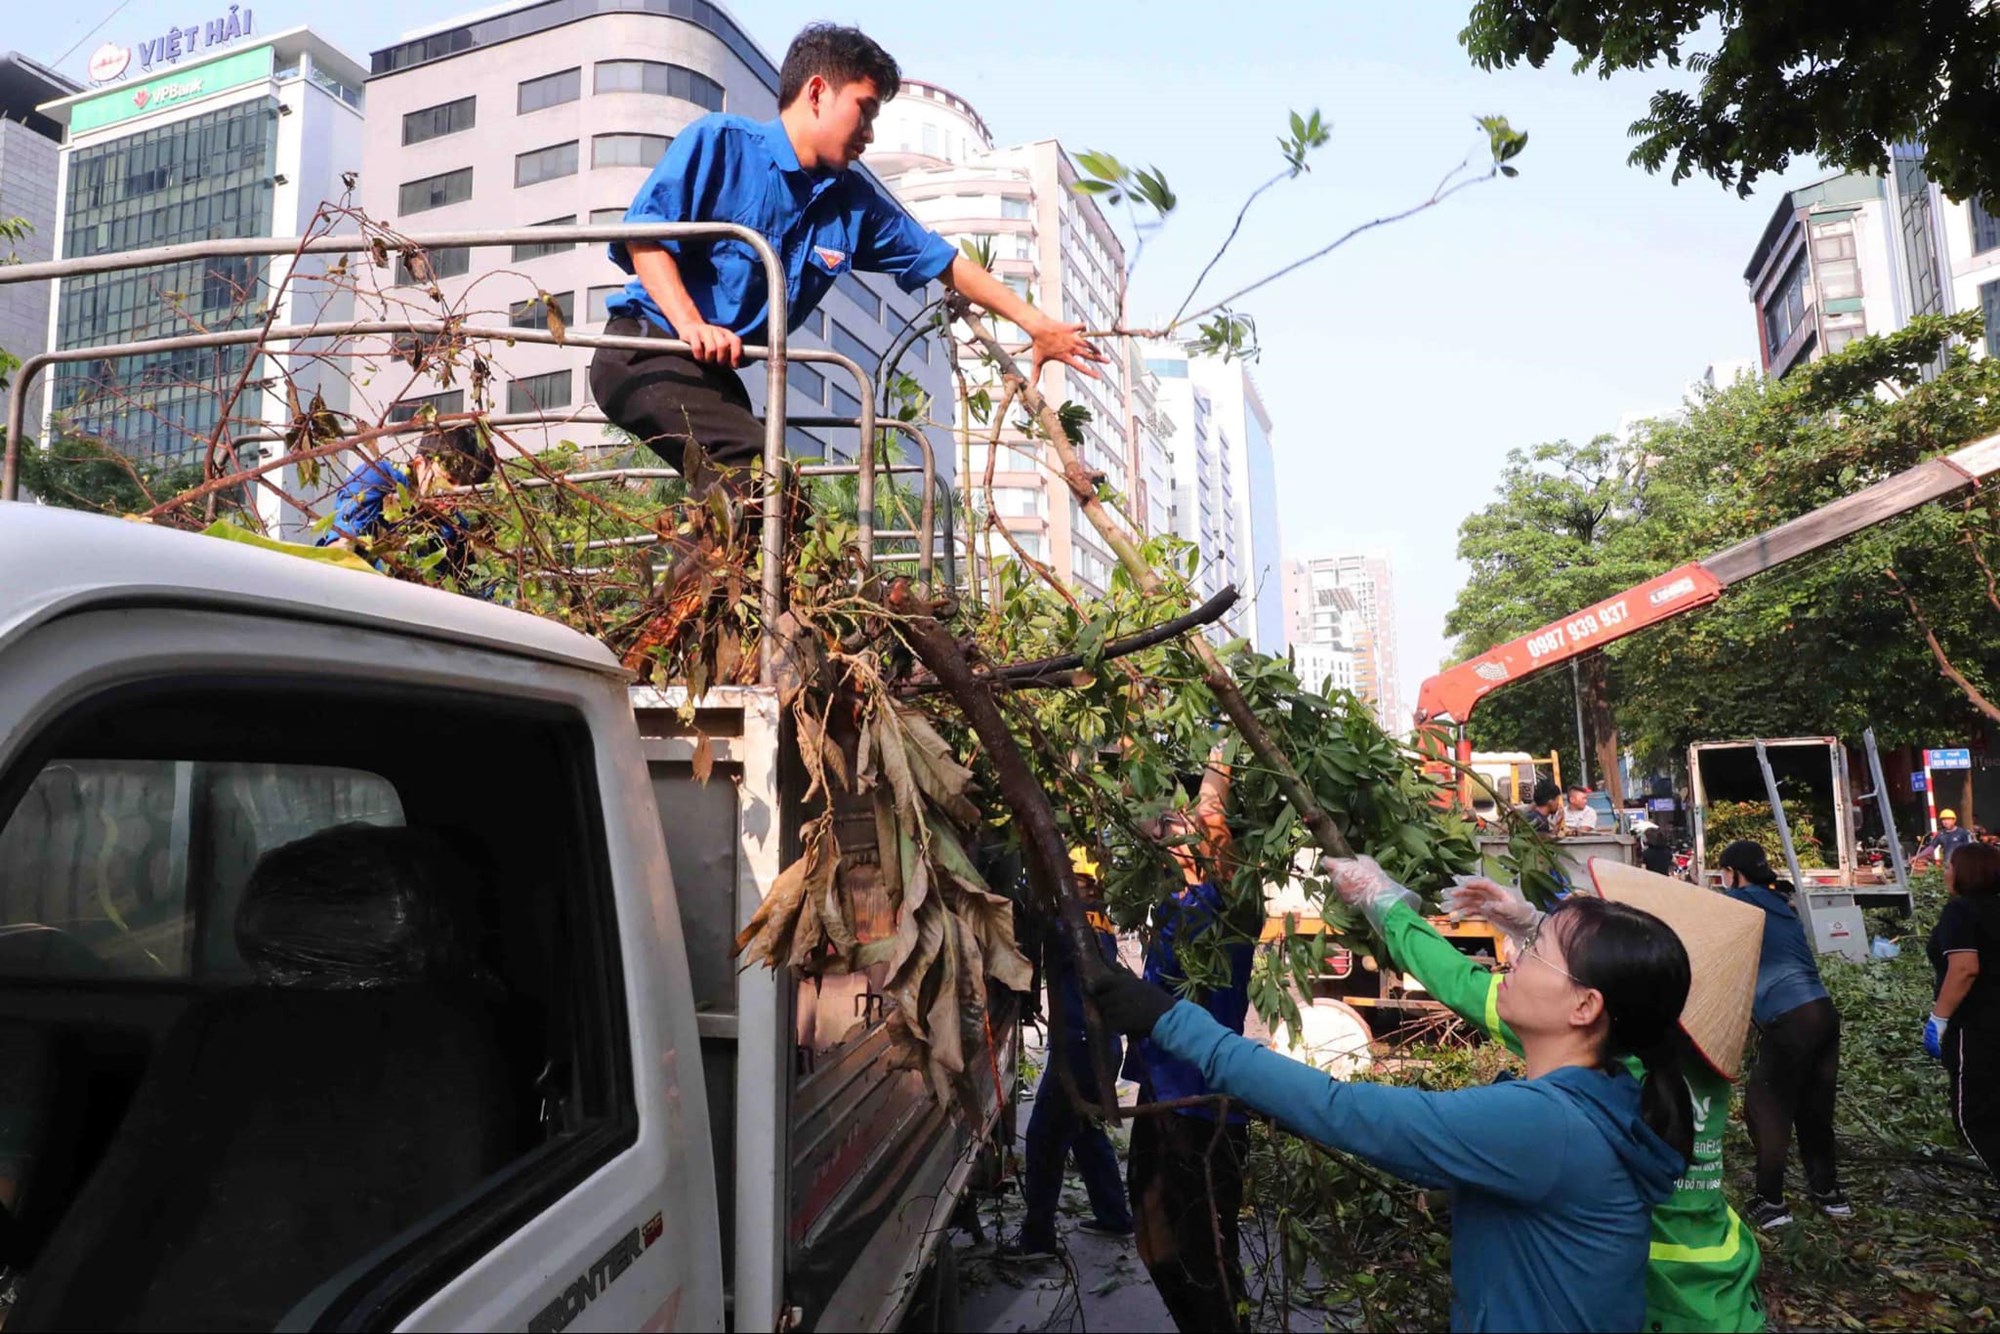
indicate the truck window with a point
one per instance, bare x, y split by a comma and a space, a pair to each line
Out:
115, 867
346, 996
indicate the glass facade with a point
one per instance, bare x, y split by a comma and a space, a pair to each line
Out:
659, 79
209, 177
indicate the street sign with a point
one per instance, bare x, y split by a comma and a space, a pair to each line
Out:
1948, 759
1660, 803
1920, 782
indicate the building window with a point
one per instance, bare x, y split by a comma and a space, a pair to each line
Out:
453, 187
448, 262
628, 150
545, 164
531, 315
1786, 308
1011, 207
804, 377
550, 90
1920, 257
845, 404
859, 293
597, 311
845, 343
600, 216
436, 122
1985, 224
659, 79
523, 253
1989, 302
804, 443
406, 409
538, 393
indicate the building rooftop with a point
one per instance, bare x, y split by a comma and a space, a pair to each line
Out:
1846, 188
27, 84
286, 45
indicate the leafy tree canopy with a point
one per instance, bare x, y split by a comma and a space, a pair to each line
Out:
1842, 82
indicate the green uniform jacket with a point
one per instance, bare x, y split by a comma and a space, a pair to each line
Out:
1703, 1271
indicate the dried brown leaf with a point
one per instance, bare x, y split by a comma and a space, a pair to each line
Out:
557, 329
704, 757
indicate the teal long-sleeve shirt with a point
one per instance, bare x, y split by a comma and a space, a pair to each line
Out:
1552, 1180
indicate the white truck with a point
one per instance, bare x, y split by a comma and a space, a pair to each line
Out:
473, 1050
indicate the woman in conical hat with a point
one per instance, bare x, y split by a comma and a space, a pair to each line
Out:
1704, 1262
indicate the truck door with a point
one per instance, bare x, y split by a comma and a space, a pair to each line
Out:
326, 1004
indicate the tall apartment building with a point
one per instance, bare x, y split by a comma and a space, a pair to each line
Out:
30, 148
1864, 253
1225, 484
247, 144
554, 112
1317, 601
1056, 249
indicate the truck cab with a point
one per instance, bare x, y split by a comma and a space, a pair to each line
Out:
344, 981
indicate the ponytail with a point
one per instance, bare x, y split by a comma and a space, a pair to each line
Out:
1747, 859
1665, 1102
1637, 963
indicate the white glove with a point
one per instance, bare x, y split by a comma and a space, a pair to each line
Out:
1362, 883
1502, 905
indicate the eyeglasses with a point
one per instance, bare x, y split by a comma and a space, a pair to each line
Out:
1527, 951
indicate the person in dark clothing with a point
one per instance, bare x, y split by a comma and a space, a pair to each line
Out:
1655, 853
1058, 1128
1798, 1048
790, 179
1186, 1168
1963, 1029
1545, 813
452, 457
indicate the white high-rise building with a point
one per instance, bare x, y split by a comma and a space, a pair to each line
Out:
1349, 601
1225, 485
1055, 249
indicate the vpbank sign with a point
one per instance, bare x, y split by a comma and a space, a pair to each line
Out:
171, 90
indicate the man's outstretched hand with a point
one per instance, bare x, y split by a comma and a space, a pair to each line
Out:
1129, 1004
1064, 343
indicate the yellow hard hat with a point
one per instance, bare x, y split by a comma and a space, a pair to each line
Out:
1082, 862
1946, 814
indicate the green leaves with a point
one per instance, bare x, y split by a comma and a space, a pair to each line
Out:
1227, 335
1504, 140
1073, 417
1112, 181
1307, 133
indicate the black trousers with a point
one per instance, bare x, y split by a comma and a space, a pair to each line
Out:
1186, 1184
1972, 1059
667, 398
1792, 1086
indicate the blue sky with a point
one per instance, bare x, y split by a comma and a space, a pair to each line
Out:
1398, 371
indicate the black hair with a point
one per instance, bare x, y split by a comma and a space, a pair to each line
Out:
1636, 962
1545, 791
1578, 787
1656, 837
466, 459
1748, 859
1975, 871
840, 56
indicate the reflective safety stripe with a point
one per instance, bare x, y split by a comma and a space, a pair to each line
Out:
1493, 1008
1662, 1252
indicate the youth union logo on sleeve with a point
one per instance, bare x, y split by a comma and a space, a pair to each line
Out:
830, 257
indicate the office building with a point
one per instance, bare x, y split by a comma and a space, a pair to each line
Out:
30, 147
1349, 602
1864, 253
247, 144
1016, 206
555, 112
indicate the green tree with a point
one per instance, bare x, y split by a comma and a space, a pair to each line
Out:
86, 475
1555, 540
1840, 81
1868, 632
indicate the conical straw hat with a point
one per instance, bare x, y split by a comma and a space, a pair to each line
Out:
1723, 939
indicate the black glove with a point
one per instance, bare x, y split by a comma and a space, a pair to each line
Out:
1129, 1004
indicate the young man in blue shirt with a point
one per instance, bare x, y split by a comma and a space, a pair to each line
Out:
452, 457
788, 179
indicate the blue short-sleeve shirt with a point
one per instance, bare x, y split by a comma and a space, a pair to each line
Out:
728, 168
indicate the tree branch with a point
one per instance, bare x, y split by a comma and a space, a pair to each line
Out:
1950, 672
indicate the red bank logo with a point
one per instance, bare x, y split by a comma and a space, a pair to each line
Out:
140, 98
